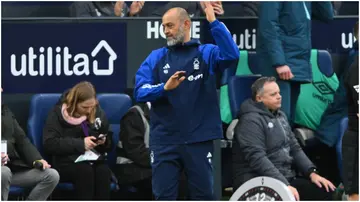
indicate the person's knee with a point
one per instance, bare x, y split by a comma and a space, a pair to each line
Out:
204, 194
164, 189
103, 168
103, 171
85, 175
84, 170
201, 187
6, 175
52, 176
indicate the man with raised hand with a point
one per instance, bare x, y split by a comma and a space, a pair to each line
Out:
179, 81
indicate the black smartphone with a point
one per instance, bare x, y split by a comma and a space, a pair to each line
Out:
101, 137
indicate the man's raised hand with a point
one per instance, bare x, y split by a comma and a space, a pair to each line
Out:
209, 11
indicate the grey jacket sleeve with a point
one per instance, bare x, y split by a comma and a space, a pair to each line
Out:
302, 162
251, 139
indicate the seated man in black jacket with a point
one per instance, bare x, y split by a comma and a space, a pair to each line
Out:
133, 166
265, 146
133, 161
23, 166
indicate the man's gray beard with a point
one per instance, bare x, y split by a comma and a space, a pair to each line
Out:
179, 38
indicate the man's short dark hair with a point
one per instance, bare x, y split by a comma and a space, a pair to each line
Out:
258, 86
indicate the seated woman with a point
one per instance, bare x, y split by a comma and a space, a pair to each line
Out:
75, 126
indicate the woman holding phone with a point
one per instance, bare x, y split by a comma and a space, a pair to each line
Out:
76, 126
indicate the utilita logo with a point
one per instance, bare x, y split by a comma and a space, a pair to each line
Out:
347, 40
33, 63
246, 40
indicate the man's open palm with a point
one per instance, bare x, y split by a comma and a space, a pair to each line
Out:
174, 81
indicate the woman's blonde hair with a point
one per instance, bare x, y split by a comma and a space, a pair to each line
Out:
79, 93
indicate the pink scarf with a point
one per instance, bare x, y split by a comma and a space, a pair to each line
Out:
71, 120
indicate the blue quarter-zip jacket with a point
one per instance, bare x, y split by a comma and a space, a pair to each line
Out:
190, 113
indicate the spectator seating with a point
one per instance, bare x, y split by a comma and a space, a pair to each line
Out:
17, 192
24, 9
20, 191
316, 96
247, 66
236, 96
324, 82
40, 106
246, 60
115, 107
239, 91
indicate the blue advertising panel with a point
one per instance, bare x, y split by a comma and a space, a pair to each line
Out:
50, 57
335, 36
46, 56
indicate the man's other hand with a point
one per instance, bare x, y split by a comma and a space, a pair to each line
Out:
4, 158
295, 192
321, 181
284, 72
45, 164
136, 7
174, 81
118, 8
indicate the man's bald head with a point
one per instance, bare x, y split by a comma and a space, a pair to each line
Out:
179, 12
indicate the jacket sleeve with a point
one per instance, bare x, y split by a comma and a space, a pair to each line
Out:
132, 138
54, 141
146, 90
104, 129
251, 139
302, 162
352, 84
268, 31
23, 145
322, 11
225, 53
